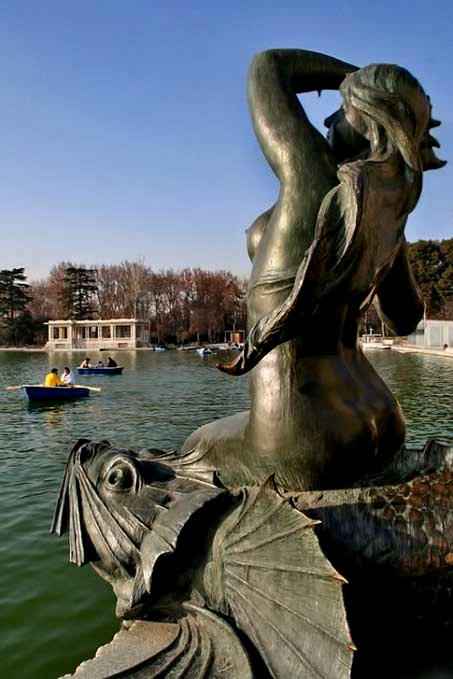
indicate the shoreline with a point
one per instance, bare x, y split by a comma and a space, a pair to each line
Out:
402, 349
22, 349
414, 349
77, 351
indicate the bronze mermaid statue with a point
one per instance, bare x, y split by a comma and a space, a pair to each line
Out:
332, 244
228, 558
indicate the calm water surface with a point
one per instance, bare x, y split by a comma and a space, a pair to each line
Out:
53, 615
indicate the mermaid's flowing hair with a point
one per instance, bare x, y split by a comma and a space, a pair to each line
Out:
397, 114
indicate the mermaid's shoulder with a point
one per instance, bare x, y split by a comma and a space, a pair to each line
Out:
342, 209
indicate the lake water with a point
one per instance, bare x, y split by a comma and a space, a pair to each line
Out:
54, 615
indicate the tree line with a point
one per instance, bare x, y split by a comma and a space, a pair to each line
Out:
182, 305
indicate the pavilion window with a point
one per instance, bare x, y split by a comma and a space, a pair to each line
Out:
123, 331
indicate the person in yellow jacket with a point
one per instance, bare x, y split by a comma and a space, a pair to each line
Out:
52, 379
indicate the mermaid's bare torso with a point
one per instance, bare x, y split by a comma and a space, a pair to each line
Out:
320, 415
317, 398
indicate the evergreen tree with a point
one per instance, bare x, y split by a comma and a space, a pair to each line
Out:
79, 287
445, 283
13, 292
432, 265
14, 298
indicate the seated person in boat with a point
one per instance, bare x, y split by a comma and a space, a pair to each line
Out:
67, 377
86, 363
99, 364
111, 363
52, 379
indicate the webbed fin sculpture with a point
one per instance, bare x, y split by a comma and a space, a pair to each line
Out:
270, 576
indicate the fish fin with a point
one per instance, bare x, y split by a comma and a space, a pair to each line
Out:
282, 591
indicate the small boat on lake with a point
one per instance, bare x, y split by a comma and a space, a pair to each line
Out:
373, 342
205, 351
117, 370
373, 346
37, 392
237, 346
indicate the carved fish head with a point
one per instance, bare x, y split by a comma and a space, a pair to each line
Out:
124, 510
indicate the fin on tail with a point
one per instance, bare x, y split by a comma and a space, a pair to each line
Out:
282, 591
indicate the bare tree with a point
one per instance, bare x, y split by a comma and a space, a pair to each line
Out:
133, 279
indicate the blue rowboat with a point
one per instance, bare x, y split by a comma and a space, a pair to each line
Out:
100, 371
36, 392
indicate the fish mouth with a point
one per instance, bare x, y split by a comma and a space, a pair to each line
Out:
123, 512
133, 600
101, 529
97, 530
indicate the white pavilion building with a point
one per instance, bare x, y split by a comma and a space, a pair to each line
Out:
116, 333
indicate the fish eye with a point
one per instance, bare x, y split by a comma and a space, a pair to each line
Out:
120, 477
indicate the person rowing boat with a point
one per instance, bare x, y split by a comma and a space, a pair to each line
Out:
52, 379
86, 363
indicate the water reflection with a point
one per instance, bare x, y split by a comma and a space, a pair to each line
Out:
423, 386
52, 413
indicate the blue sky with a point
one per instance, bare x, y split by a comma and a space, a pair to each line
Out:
125, 131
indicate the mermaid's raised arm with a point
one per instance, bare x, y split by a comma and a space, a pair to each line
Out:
284, 132
304, 163
399, 302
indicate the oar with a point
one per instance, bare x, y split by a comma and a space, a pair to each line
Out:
17, 387
85, 386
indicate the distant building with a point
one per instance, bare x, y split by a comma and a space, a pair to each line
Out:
116, 333
234, 336
432, 334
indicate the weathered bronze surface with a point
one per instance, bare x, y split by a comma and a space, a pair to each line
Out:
202, 564
225, 557
239, 581
393, 542
320, 416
